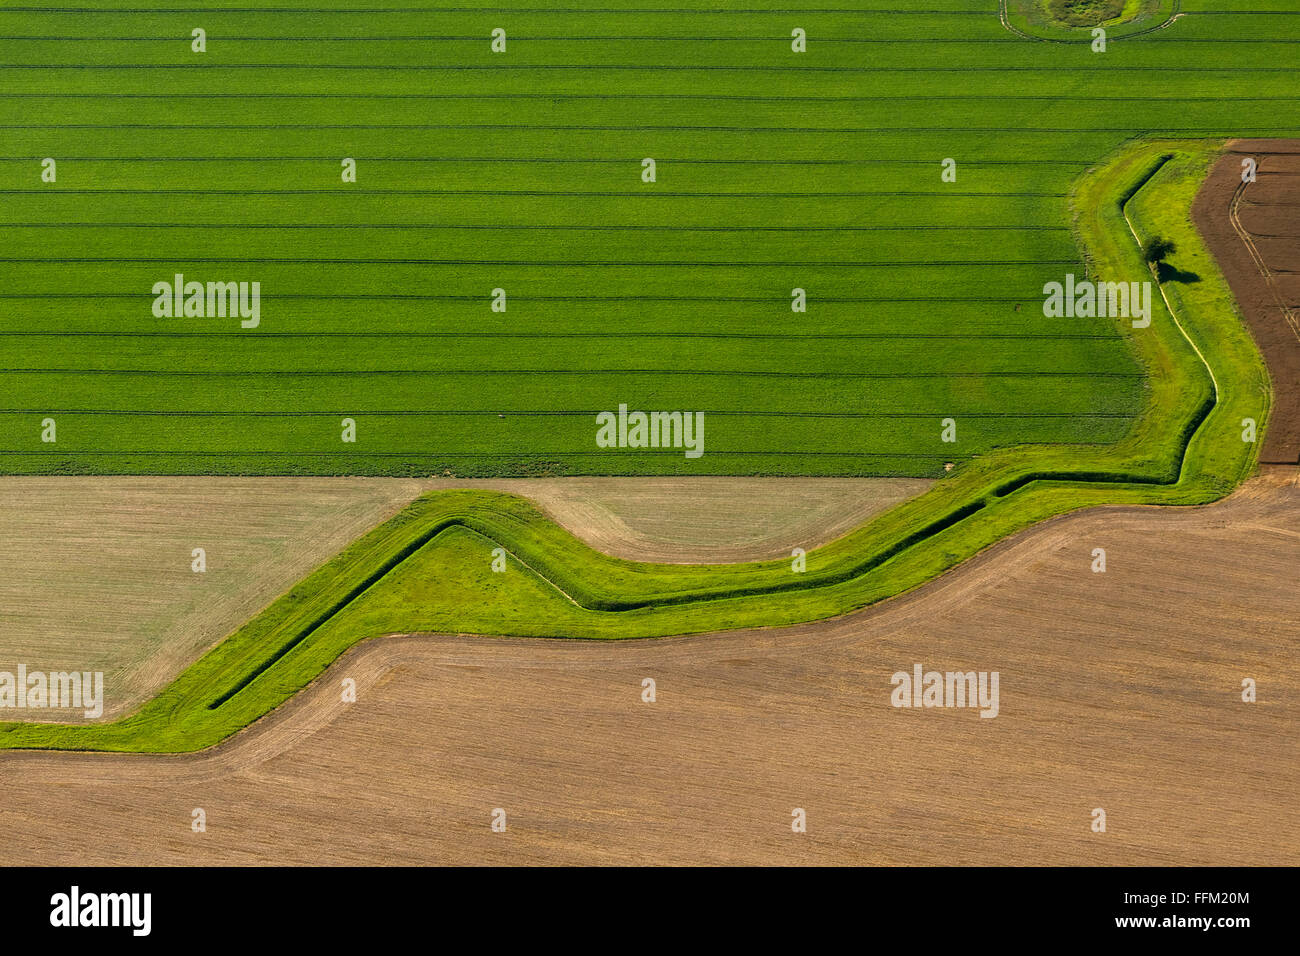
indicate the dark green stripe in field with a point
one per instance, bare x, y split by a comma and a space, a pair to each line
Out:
522, 171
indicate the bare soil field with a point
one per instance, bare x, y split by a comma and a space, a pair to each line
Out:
1119, 690
1253, 230
95, 573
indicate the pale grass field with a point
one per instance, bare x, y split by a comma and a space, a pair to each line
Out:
95, 573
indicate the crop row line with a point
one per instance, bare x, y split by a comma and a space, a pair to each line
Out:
546, 160
548, 263
613, 193
785, 336
367, 11
629, 128
725, 97
434, 297
647, 67
712, 373
426, 453
632, 38
546, 413
695, 11
530, 227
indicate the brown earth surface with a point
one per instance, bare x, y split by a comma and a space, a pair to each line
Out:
1119, 690
95, 572
1253, 231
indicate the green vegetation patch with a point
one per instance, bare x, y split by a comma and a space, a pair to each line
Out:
523, 171
1087, 13
1073, 20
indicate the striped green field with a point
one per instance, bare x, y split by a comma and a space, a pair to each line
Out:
522, 170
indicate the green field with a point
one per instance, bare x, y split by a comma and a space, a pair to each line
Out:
522, 170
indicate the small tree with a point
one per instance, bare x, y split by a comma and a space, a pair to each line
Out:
1158, 249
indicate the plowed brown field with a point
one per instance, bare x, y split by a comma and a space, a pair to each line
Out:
1253, 230
1119, 690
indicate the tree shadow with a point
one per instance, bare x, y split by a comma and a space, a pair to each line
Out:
1167, 273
